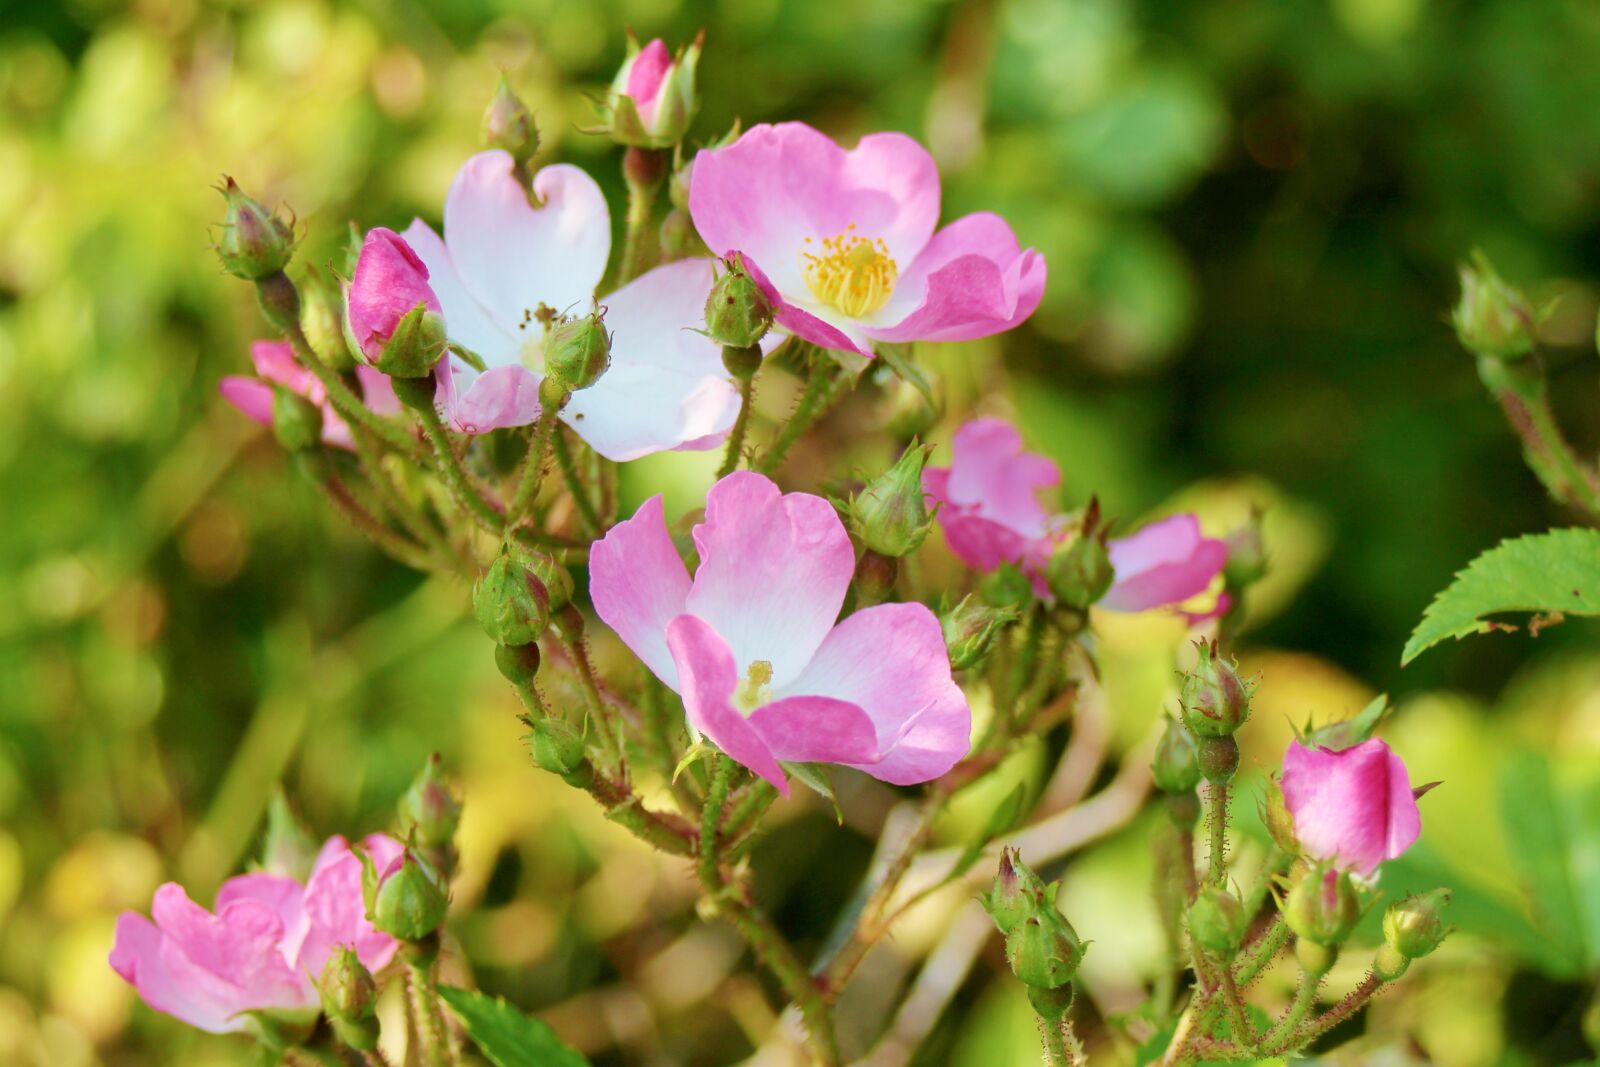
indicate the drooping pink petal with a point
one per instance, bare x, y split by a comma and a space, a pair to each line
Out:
501, 397
377, 391
1352, 807
813, 729
274, 362
511, 256
645, 75
1166, 562
336, 910
774, 570
251, 396
890, 660
972, 280
639, 584
666, 387
390, 280
139, 953
708, 678
241, 945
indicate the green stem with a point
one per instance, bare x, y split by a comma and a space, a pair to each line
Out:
711, 819
402, 549
435, 1045
1520, 388
643, 170
1243, 1033
822, 388
1305, 997
349, 406
1263, 951
569, 629
741, 424
1217, 827
1052, 1012
454, 474
580, 492
533, 466
748, 804
393, 497
1352, 1003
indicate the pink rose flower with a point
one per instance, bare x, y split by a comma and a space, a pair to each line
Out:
653, 97
389, 282
990, 514
275, 362
1353, 807
501, 259
750, 641
262, 949
843, 242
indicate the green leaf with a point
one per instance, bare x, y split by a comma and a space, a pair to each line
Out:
1005, 816
1555, 573
1535, 833
898, 359
1350, 732
815, 776
508, 1037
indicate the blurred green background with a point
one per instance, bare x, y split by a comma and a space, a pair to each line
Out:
1251, 209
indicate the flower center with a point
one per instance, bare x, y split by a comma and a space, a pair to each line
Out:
852, 273
532, 330
755, 690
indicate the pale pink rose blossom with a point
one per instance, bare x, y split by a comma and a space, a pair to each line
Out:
275, 362
390, 281
261, 950
1352, 807
753, 644
843, 242
990, 513
502, 258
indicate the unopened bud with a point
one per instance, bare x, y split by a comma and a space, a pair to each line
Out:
1322, 907
415, 347
1492, 318
1016, 895
1079, 572
738, 313
890, 515
296, 421
1183, 809
346, 987
1216, 701
678, 237
255, 242
653, 98
1247, 554
1176, 767
1044, 951
1006, 587
393, 320
1414, 927
578, 350
1219, 759
508, 125
429, 811
322, 319
519, 664
287, 849
557, 747
407, 901
510, 600
970, 629
1217, 920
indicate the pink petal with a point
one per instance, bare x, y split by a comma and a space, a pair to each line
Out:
511, 256
1164, 563
1353, 807
240, 946
773, 573
666, 387
377, 391
285, 896
504, 396
389, 281
639, 584
466, 322
139, 954
809, 729
645, 75
275, 362
991, 476
336, 910
820, 325
890, 661
251, 396
971, 281
709, 677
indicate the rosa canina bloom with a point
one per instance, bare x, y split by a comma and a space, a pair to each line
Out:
502, 262
389, 282
750, 641
1352, 807
990, 513
275, 362
843, 242
263, 948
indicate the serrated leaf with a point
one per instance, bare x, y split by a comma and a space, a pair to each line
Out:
1003, 818
1548, 573
507, 1036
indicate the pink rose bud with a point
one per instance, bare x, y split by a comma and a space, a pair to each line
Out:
1353, 808
653, 98
262, 947
392, 314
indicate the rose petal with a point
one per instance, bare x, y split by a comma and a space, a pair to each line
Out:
336, 911
139, 955
709, 677
1352, 807
503, 396
812, 729
1166, 562
645, 75
639, 584
466, 321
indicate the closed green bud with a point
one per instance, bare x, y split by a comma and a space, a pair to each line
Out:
416, 346
255, 242
429, 811
1176, 767
1492, 319
1322, 907
1044, 951
322, 319
1414, 927
1219, 759
518, 664
508, 125
1017, 893
578, 350
890, 515
1217, 920
1216, 701
970, 629
1006, 587
510, 600
287, 849
678, 237
346, 987
408, 902
1079, 571
556, 746
738, 313
296, 421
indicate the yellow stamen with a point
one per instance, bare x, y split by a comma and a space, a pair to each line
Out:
755, 690
852, 273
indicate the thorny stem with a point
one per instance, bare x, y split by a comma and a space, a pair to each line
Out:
570, 632
1352, 1003
532, 475
1217, 827
639, 165
393, 497
454, 474
1263, 951
1305, 996
741, 424
394, 544
1520, 388
711, 819
580, 492
822, 388
436, 1050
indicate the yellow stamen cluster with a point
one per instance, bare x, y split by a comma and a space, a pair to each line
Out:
755, 690
852, 273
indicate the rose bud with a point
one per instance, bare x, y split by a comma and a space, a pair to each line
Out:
296, 421
350, 999
1322, 907
1412, 929
510, 600
1044, 950
508, 125
1216, 701
1176, 767
405, 900
429, 811
578, 351
392, 315
738, 313
255, 243
970, 629
1079, 571
1217, 920
1354, 807
1492, 319
653, 99
1017, 893
556, 746
890, 515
